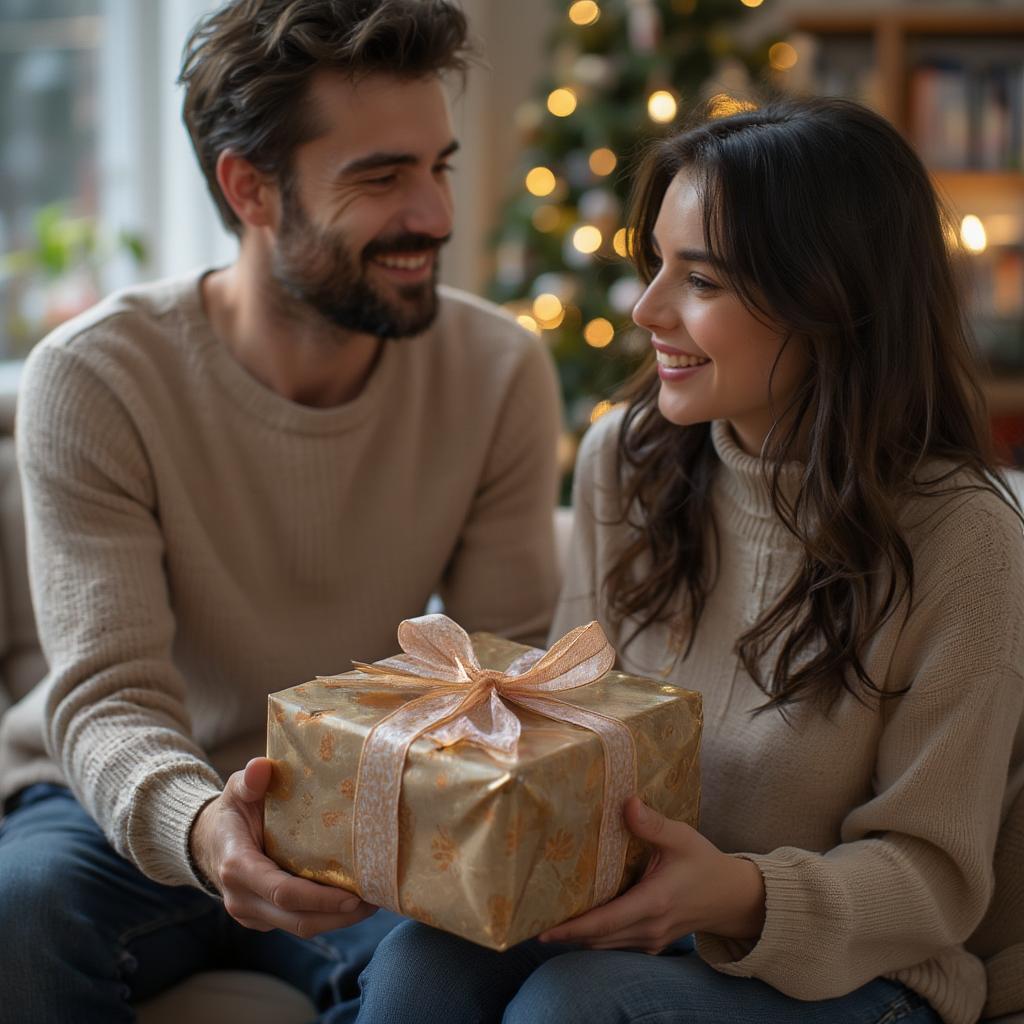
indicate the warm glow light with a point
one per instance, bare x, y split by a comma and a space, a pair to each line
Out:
603, 161
546, 218
751, 3
724, 105
661, 106
547, 307
527, 321
540, 181
972, 234
782, 56
599, 410
562, 102
599, 332
587, 239
584, 12
622, 242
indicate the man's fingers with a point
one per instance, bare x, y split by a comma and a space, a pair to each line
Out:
262, 916
266, 880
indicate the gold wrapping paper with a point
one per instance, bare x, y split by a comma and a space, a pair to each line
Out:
492, 850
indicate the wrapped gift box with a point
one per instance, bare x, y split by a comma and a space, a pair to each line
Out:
492, 845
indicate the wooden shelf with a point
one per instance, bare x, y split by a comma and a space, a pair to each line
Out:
982, 192
1005, 395
920, 22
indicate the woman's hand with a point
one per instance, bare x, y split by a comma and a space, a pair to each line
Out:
688, 886
227, 846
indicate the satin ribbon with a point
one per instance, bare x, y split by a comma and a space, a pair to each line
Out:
466, 703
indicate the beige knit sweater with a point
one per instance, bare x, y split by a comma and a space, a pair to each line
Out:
196, 541
874, 829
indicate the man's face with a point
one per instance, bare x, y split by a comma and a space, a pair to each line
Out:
367, 205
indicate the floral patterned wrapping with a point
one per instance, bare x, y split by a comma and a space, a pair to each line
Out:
494, 851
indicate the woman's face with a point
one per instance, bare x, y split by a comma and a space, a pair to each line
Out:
715, 358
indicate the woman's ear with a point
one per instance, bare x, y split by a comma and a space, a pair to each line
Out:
253, 195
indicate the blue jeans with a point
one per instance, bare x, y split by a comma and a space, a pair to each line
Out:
428, 977
83, 932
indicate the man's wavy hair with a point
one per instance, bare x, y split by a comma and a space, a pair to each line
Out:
830, 230
247, 66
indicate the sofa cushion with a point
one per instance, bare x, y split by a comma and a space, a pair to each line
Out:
21, 662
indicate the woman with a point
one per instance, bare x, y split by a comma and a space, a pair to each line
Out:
797, 513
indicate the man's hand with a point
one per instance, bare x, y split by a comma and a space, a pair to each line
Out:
227, 846
688, 886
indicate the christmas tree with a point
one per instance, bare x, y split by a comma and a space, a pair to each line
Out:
618, 74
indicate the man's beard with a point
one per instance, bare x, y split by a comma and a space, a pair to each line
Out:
316, 269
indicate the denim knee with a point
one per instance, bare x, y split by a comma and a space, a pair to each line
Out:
409, 958
562, 991
421, 975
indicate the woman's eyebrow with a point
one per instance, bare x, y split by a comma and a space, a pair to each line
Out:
697, 256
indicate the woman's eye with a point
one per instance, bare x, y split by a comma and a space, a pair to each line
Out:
701, 284
444, 168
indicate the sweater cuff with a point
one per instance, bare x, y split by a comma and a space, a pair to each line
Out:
1005, 973
784, 935
166, 807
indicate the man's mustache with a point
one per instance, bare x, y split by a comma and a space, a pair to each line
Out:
407, 242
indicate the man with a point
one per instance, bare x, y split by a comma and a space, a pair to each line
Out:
241, 478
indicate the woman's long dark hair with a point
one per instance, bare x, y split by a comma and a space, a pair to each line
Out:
830, 230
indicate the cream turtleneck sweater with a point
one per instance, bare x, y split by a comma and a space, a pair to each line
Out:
875, 828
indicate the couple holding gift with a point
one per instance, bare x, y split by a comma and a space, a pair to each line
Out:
240, 478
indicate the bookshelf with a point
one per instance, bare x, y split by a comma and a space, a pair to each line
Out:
952, 81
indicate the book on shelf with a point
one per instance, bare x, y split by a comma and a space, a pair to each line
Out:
968, 118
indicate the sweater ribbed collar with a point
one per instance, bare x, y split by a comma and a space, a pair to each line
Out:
745, 496
243, 390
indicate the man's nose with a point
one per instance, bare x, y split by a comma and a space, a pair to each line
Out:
430, 210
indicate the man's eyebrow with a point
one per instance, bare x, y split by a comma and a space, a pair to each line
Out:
375, 161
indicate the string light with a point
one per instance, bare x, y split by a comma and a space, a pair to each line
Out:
587, 239
584, 12
599, 410
548, 307
661, 106
546, 218
751, 3
782, 56
540, 181
972, 234
603, 161
599, 332
622, 242
561, 102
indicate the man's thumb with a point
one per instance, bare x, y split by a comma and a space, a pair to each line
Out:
256, 779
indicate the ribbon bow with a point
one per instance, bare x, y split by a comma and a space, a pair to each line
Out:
467, 702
